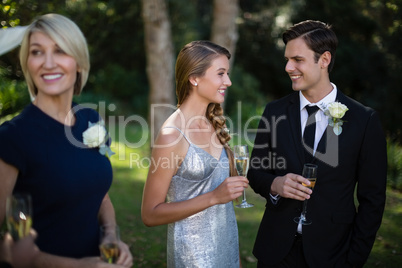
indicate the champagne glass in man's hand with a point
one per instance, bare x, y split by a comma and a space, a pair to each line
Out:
310, 173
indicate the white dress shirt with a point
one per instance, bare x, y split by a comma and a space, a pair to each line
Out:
321, 125
320, 117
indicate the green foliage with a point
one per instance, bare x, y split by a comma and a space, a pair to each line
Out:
114, 31
190, 21
394, 152
14, 96
260, 49
104, 104
127, 86
8, 8
367, 66
387, 251
244, 103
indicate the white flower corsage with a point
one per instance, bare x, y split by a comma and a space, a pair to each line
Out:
96, 136
335, 111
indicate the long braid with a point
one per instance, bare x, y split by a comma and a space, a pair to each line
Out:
214, 114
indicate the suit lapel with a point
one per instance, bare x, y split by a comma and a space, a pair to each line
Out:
328, 138
295, 125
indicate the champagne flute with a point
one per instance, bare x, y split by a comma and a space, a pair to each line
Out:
19, 215
310, 173
109, 243
241, 159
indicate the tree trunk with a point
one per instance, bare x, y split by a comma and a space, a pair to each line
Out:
224, 28
160, 63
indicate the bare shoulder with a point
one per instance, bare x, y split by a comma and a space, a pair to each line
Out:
170, 140
169, 137
171, 134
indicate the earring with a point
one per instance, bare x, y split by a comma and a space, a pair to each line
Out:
195, 84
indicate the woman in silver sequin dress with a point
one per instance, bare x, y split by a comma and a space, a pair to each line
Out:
192, 179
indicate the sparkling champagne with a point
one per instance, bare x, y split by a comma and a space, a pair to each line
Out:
312, 183
310, 173
242, 165
109, 252
20, 226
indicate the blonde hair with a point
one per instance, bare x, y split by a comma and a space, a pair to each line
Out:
66, 34
193, 61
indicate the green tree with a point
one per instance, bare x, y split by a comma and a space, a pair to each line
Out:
367, 66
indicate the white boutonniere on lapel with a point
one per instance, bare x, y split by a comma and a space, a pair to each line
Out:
335, 111
96, 136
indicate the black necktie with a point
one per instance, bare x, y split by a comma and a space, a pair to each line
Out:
309, 132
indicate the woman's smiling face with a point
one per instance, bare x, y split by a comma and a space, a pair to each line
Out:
54, 73
213, 85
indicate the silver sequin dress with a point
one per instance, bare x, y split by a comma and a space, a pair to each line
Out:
210, 237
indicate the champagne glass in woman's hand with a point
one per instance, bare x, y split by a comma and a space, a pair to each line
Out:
310, 173
241, 159
109, 243
19, 215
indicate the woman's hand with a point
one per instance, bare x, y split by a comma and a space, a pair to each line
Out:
21, 253
230, 189
96, 262
125, 258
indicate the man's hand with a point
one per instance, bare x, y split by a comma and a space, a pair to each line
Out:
290, 186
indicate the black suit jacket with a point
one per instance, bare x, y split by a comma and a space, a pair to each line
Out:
342, 232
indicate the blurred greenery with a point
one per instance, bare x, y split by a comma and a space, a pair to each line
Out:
394, 153
13, 95
367, 66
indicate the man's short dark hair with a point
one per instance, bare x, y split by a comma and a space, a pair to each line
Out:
318, 36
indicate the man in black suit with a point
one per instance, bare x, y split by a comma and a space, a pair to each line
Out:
349, 147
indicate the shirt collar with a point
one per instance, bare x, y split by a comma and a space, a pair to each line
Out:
331, 97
